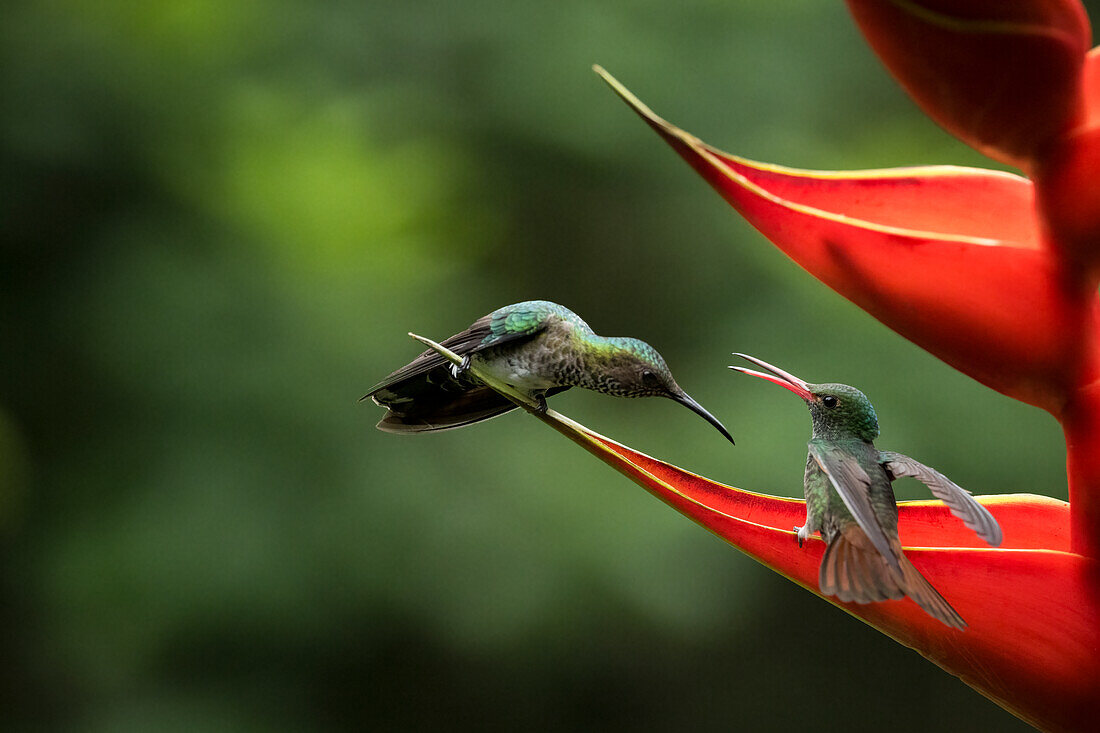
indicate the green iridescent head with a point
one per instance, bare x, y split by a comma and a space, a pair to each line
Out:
840, 411
837, 410
627, 367
633, 368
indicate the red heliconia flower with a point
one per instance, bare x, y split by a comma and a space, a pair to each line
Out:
994, 273
1032, 605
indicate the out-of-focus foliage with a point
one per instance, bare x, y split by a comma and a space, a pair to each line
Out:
218, 222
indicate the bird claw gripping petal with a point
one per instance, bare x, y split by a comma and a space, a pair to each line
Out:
458, 370
802, 534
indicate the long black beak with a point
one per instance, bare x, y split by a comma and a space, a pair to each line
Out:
695, 407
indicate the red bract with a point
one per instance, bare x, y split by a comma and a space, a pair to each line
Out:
1031, 603
1015, 324
995, 274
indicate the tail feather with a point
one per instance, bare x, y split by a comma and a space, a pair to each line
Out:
445, 412
854, 571
920, 590
856, 574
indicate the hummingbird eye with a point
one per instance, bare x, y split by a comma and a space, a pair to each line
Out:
829, 401
650, 380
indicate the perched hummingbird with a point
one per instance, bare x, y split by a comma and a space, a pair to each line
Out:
538, 347
850, 500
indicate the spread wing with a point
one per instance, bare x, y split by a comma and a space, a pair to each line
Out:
853, 485
499, 327
958, 500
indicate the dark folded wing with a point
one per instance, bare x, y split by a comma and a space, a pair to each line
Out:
450, 412
491, 330
465, 408
958, 500
463, 344
853, 485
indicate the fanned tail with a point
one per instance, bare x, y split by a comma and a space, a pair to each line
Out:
855, 572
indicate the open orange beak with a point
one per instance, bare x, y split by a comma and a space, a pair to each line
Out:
777, 376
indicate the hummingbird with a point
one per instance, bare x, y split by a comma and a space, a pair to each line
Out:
850, 500
538, 347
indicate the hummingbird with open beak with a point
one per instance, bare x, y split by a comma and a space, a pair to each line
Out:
850, 499
538, 347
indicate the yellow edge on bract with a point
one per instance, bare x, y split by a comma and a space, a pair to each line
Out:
709, 154
925, 171
995, 500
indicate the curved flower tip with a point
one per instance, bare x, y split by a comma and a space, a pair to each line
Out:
1068, 184
950, 258
1001, 76
1033, 608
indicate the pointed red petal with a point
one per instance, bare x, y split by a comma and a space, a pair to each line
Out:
1001, 76
998, 310
1033, 614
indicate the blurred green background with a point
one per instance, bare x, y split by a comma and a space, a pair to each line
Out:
220, 219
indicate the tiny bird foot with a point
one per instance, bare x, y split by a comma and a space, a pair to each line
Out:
540, 403
801, 537
457, 370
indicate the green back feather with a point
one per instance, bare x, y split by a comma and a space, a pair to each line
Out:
528, 317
